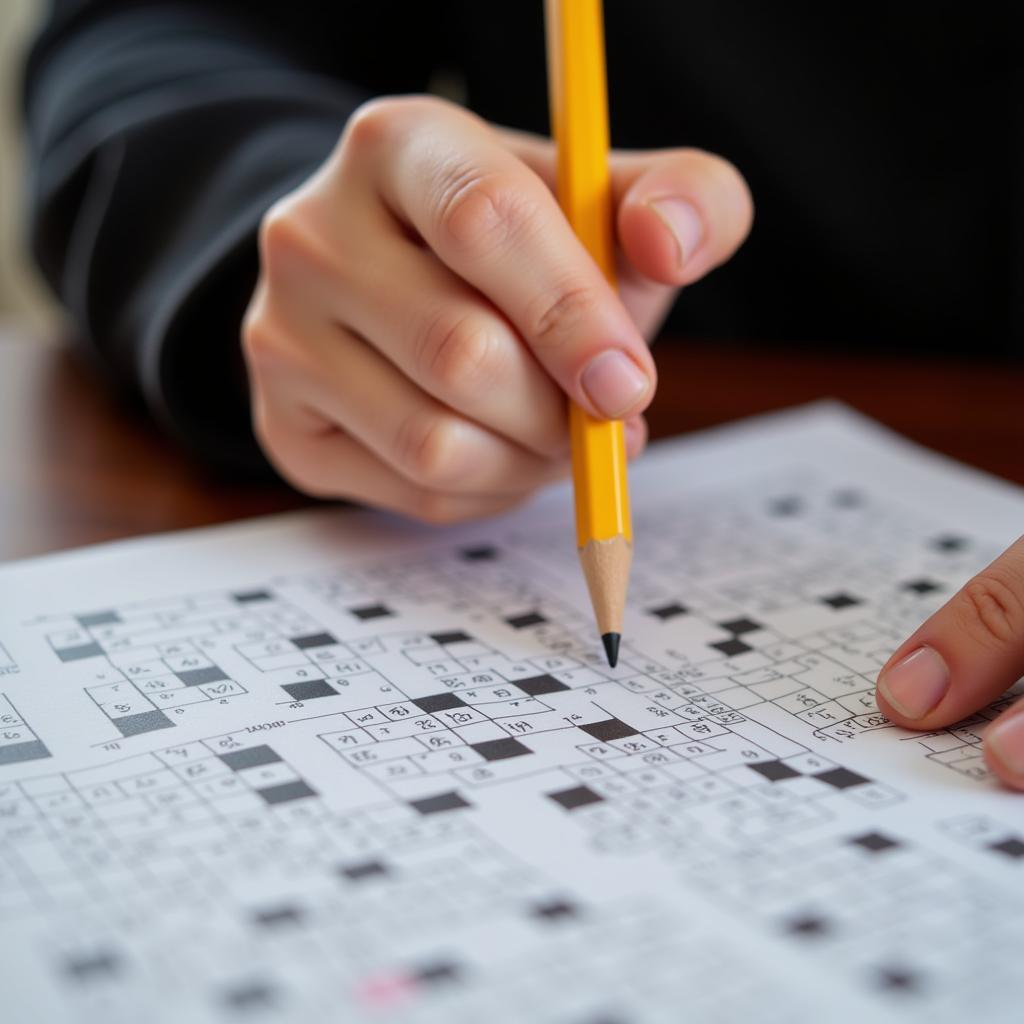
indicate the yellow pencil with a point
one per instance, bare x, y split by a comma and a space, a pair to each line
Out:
579, 118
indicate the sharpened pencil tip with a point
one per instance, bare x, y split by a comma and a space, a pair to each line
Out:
611, 647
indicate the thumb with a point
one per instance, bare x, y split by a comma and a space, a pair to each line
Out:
962, 658
683, 213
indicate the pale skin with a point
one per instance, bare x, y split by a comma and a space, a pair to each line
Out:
423, 311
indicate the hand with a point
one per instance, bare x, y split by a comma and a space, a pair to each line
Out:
423, 308
968, 653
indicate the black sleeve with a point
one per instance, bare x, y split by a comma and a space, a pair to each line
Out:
159, 134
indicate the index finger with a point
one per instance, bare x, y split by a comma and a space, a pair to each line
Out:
967, 654
495, 224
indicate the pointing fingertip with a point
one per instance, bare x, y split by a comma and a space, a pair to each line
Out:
1004, 742
614, 384
685, 224
916, 683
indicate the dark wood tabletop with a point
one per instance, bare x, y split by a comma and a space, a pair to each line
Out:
75, 468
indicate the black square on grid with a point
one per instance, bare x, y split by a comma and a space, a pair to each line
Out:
90, 650
199, 676
442, 802
808, 926
432, 974
274, 917
251, 596
285, 792
313, 640
250, 757
740, 626
526, 620
847, 498
730, 648
249, 996
577, 796
841, 778
609, 729
840, 600
439, 702
668, 611
875, 842
94, 965
787, 506
921, 586
555, 910
455, 636
949, 543
1012, 848
363, 870
480, 553
98, 619
311, 689
898, 979
774, 771
143, 721
366, 612
500, 750
536, 686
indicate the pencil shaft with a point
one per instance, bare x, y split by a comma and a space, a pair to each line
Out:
579, 116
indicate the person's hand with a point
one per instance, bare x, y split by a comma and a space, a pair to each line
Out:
967, 654
423, 308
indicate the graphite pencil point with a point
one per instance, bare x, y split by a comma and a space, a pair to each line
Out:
611, 647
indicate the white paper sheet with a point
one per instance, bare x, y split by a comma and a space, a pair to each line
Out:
330, 766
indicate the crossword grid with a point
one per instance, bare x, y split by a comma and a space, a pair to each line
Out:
99, 852
428, 748
732, 629
453, 684
982, 832
17, 741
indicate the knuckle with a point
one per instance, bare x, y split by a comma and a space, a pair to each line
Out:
382, 121
479, 211
272, 352
259, 344
373, 122
556, 319
428, 449
278, 230
296, 248
265, 349
462, 356
990, 608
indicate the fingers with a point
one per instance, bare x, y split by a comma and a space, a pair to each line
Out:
680, 213
325, 462
356, 389
1004, 746
447, 339
496, 225
684, 214
965, 656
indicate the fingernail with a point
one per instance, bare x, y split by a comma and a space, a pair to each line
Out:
685, 223
915, 684
614, 383
1006, 740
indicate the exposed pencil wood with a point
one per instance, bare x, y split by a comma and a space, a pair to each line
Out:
606, 566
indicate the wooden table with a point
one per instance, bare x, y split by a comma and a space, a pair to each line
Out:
77, 469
